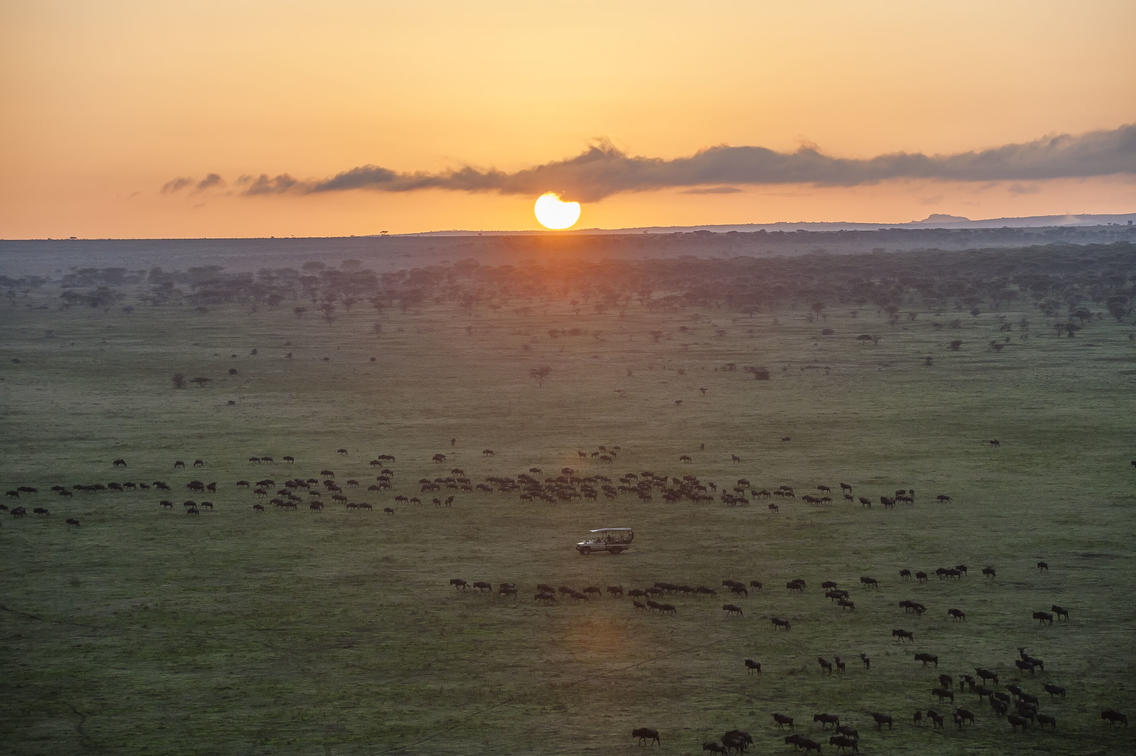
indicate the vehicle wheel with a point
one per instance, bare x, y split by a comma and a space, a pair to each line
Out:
585, 551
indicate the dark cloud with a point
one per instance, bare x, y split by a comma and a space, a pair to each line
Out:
176, 184
262, 184
712, 190
603, 170
209, 182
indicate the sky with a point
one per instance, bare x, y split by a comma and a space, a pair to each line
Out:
236, 118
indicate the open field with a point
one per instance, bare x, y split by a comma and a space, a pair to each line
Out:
144, 630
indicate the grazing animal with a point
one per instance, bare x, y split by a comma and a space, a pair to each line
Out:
840, 667
826, 719
119, 462
782, 720
1060, 611
905, 574
1016, 722
752, 666
927, 659
459, 583
986, 674
936, 719
714, 747
646, 736
388, 510
962, 716
1054, 690
732, 609
799, 741
737, 740
871, 582
881, 720
825, 664
73, 521
843, 741
957, 614
867, 661
917, 717
1044, 617
903, 634
779, 623
1045, 719
943, 694
1112, 716
1043, 566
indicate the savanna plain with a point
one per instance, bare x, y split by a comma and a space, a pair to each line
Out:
500, 407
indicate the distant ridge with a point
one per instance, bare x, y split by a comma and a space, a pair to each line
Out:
934, 220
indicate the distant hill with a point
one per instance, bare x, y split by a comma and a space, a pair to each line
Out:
934, 220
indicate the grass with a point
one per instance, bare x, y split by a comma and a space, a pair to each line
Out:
147, 631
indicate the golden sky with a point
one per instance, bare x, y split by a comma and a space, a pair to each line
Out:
107, 102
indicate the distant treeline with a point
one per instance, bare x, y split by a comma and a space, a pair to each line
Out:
1055, 278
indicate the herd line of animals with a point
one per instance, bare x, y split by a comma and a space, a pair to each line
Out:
1019, 708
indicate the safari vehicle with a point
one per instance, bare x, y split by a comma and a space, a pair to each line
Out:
611, 540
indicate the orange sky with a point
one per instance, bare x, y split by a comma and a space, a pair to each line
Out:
106, 101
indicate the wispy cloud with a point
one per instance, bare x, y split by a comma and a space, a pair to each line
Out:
603, 170
209, 182
176, 184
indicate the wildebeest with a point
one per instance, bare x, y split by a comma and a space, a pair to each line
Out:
119, 462
825, 664
843, 741
988, 571
1045, 719
826, 719
782, 720
943, 694
927, 659
881, 720
73, 521
1043, 566
1112, 716
957, 614
779, 623
1054, 690
962, 716
646, 735
1060, 611
732, 609
986, 674
459, 583
903, 634
1044, 617
752, 666
871, 582
714, 746
1016, 721
737, 740
936, 719
800, 741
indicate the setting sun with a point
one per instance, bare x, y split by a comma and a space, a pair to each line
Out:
554, 213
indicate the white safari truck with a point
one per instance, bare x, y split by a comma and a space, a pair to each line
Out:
611, 540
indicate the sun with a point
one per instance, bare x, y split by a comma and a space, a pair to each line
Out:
555, 214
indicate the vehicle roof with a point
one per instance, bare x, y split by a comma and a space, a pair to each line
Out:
608, 530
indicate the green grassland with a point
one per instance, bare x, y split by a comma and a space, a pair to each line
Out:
145, 630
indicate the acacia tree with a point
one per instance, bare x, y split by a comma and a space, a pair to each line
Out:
538, 374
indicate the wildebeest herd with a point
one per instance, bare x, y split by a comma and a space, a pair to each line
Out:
1011, 702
